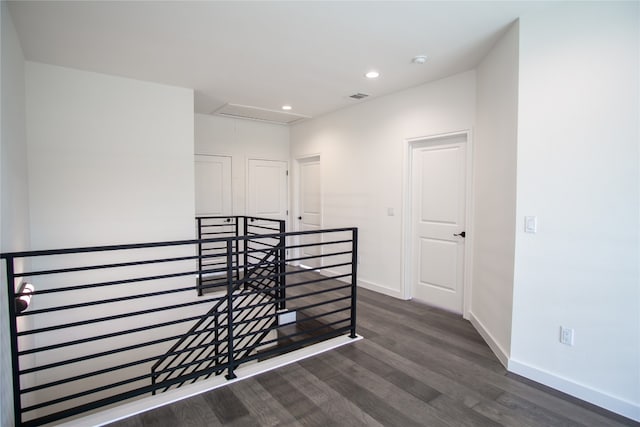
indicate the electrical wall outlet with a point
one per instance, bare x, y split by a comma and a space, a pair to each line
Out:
566, 335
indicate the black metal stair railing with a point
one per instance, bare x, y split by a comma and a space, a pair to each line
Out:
205, 344
108, 324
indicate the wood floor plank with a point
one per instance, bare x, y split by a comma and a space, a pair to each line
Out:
194, 412
358, 394
162, 416
457, 347
398, 398
408, 383
341, 411
263, 408
296, 403
226, 405
456, 413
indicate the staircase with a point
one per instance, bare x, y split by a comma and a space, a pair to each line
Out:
215, 341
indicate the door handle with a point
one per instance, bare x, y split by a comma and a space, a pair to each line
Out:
300, 218
461, 234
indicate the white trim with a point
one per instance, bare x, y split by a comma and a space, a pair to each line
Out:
146, 404
497, 349
599, 398
395, 293
364, 284
405, 278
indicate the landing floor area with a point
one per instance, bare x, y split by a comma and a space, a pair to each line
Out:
417, 366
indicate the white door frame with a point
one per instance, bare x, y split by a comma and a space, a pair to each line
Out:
296, 195
407, 256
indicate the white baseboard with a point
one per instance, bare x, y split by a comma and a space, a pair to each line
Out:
497, 349
598, 398
395, 293
365, 284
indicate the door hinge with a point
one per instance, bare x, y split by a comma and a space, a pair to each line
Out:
287, 211
287, 173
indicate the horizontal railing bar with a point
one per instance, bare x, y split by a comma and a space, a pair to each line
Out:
292, 285
262, 227
111, 399
96, 267
276, 300
123, 366
111, 283
217, 233
328, 313
87, 375
293, 273
296, 344
304, 332
109, 301
306, 245
243, 280
114, 317
318, 256
160, 244
112, 335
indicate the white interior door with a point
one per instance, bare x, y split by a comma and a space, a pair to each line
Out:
267, 189
310, 211
213, 185
438, 181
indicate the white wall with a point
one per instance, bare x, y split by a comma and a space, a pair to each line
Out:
241, 140
494, 193
578, 172
111, 159
362, 150
14, 197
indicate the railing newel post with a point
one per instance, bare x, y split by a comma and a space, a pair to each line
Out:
282, 280
230, 374
237, 246
199, 220
354, 280
245, 247
13, 326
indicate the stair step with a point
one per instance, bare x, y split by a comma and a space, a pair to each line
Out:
303, 329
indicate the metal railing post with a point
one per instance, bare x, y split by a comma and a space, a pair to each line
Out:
13, 327
354, 280
199, 256
237, 245
230, 375
282, 279
245, 243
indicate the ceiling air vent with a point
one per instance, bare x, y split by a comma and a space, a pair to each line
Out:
358, 95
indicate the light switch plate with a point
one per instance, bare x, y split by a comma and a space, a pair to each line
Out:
530, 224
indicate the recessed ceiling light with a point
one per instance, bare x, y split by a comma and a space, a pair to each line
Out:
372, 74
419, 59
286, 107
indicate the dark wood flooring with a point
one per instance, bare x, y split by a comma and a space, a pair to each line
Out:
417, 366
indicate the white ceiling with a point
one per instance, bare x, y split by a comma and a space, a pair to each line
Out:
311, 55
